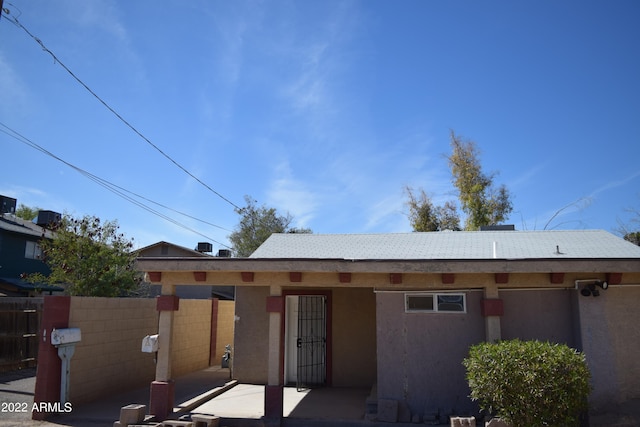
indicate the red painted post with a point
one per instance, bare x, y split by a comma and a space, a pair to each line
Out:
55, 315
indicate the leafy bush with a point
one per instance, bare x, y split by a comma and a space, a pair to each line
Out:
529, 383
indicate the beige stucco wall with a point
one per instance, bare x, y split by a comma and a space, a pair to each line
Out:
611, 342
420, 354
353, 333
251, 336
545, 315
109, 358
226, 314
354, 337
191, 336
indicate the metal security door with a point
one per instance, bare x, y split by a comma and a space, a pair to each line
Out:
311, 342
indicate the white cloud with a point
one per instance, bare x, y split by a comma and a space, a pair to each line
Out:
99, 15
15, 96
527, 176
614, 184
105, 17
288, 194
35, 197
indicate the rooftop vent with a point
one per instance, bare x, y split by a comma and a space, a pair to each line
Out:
501, 227
48, 218
7, 205
204, 247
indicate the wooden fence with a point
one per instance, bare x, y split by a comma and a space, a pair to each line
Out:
19, 327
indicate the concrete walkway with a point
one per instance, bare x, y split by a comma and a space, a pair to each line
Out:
17, 389
237, 405
246, 402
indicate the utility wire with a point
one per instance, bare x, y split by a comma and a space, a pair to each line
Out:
55, 58
116, 189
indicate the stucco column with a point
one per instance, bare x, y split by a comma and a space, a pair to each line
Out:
273, 397
492, 310
163, 388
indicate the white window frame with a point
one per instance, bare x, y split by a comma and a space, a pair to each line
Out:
32, 250
435, 296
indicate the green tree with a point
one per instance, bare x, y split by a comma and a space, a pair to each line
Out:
425, 216
90, 258
630, 231
482, 203
257, 223
25, 212
633, 237
480, 200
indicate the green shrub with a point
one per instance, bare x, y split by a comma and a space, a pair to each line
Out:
529, 383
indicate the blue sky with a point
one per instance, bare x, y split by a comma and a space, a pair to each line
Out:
323, 109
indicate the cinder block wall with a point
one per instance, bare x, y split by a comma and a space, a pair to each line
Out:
226, 316
109, 357
191, 336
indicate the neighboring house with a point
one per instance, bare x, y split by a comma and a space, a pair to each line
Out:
165, 249
400, 310
20, 251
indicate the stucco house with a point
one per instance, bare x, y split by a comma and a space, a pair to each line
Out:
399, 311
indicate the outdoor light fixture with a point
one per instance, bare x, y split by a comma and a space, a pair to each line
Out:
591, 289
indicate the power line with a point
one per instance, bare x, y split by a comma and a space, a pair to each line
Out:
116, 189
136, 131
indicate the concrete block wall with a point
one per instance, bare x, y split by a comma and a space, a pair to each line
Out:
109, 357
226, 316
191, 336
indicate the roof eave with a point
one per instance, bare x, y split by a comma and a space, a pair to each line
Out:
538, 265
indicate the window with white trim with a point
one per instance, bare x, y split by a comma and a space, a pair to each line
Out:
435, 303
32, 250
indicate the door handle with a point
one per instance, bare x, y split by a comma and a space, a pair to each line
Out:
299, 342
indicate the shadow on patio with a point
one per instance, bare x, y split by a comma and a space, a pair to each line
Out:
246, 402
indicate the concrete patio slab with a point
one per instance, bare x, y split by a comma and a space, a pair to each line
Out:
246, 401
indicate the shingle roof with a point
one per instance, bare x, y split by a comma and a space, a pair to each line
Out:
17, 225
571, 244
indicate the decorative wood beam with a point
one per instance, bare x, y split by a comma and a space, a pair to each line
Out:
614, 278
448, 278
556, 278
344, 277
502, 277
395, 278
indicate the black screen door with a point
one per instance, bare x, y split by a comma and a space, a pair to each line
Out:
311, 342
